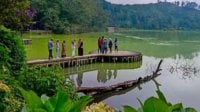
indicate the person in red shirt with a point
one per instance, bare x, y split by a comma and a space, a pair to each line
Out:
99, 45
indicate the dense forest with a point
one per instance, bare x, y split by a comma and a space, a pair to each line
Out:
161, 15
76, 16
73, 16
59, 16
68, 16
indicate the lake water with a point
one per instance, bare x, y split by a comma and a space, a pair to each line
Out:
180, 78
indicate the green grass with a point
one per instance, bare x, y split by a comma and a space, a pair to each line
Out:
150, 43
38, 49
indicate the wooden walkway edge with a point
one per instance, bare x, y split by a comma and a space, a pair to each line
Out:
92, 57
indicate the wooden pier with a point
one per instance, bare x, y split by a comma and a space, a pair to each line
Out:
92, 57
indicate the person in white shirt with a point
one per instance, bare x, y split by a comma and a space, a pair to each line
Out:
73, 47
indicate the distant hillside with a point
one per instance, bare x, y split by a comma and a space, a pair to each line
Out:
163, 15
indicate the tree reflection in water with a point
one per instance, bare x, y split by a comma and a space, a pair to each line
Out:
103, 75
187, 68
105, 72
79, 79
101, 97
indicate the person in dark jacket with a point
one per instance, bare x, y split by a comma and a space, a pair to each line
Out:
116, 45
50, 48
110, 44
80, 47
105, 44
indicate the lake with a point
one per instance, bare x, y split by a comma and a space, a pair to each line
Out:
180, 78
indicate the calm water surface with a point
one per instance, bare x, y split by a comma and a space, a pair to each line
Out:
180, 77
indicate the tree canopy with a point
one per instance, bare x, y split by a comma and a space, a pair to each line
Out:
76, 16
15, 14
68, 16
162, 15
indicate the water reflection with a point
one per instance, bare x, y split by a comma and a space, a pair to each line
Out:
103, 96
175, 88
188, 69
79, 79
105, 72
104, 75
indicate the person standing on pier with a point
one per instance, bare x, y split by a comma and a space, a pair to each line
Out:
80, 47
63, 53
99, 45
110, 44
102, 45
57, 49
105, 42
116, 45
50, 48
73, 47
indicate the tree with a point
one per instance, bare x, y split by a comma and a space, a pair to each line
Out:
163, 15
182, 4
191, 5
11, 50
68, 16
96, 19
15, 14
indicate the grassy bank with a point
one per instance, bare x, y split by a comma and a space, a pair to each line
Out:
38, 49
159, 44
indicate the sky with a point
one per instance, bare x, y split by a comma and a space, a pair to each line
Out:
144, 1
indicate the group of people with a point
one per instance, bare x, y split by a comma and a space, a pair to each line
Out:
104, 44
63, 52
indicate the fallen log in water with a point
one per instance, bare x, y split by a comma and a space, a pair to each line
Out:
120, 86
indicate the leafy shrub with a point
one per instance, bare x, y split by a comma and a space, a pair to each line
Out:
98, 107
3, 90
8, 101
14, 104
59, 103
4, 57
12, 51
47, 80
159, 104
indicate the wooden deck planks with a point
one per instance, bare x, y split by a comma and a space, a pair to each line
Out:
120, 56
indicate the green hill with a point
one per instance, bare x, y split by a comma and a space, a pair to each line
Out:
163, 15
